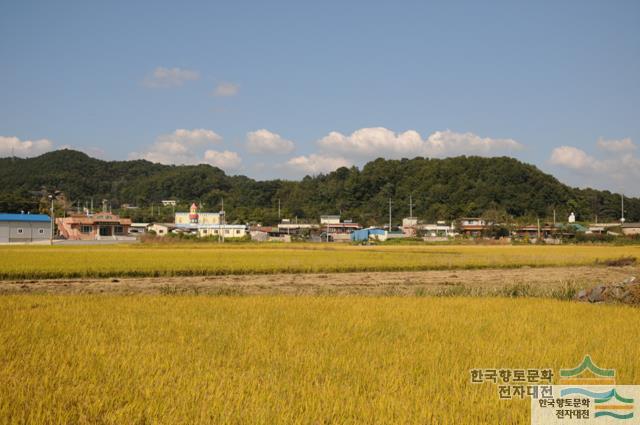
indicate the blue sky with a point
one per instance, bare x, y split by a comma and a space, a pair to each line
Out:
287, 88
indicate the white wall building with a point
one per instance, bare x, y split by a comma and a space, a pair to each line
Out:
226, 230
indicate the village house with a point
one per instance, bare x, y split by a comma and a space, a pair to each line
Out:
534, 232
631, 229
409, 226
138, 228
289, 228
333, 229
24, 228
473, 226
223, 230
340, 231
100, 226
439, 231
268, 234
206, 224
161, 229
194, 218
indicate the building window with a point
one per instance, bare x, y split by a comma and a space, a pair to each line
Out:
86, 229
41, 231
226, 231
119, 230
20, 231
237, 232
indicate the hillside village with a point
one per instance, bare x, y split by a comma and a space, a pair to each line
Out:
104, 225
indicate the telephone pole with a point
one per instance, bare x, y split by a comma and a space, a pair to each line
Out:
53, 218
389, 214
222, 220
622, 220
410, 207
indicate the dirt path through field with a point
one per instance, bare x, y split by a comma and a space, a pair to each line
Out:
452, 282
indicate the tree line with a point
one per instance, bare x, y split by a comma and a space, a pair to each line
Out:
441, 189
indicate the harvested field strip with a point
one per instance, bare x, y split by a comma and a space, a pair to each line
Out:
541, 281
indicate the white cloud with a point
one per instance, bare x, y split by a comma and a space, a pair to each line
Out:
197, 136
368, 143
316, 164
225, 160
618, 171
446, 143
622, 145
188, 147
372, 142
169, 77
13, 146
226, 89
573, 158
264, 141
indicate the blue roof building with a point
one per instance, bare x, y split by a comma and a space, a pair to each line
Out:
32, 218
23, 228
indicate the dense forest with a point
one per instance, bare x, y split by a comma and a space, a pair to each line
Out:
441, 189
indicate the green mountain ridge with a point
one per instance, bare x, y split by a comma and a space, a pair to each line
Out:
442, 189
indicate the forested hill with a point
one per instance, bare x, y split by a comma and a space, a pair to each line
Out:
441, 189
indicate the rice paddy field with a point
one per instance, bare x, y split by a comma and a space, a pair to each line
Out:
283, 360
38, 262
171, 357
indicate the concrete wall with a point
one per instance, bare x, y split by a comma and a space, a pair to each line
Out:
24, 231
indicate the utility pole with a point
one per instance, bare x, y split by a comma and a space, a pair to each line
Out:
53, 218
389, 214
538, 228
222, 220
410, 206
622, 220
554, 217
278, 209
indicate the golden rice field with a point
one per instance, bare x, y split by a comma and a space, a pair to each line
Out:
28, 262
290, 360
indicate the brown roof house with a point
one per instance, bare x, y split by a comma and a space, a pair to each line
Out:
99, 226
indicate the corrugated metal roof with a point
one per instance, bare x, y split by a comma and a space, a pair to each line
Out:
36, 218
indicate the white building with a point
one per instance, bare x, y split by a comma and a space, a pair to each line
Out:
438, 230
194, 218
161, 229
138, 228
226, 230
329, 219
